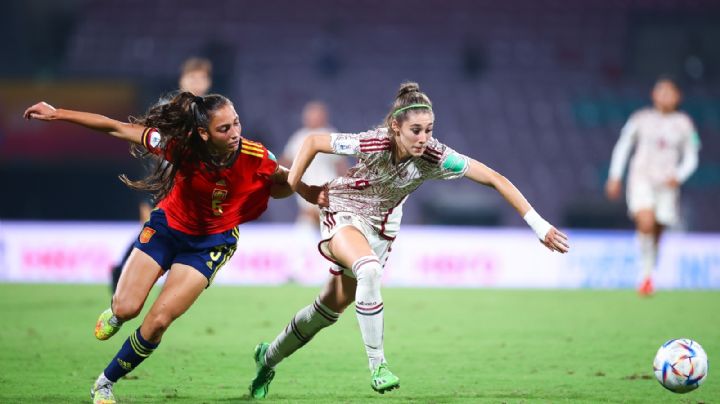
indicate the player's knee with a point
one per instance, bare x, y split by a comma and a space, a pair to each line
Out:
337, 302
368, 269
645, 225
157, 324
125, 309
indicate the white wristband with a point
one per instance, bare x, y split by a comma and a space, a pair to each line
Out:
539, 225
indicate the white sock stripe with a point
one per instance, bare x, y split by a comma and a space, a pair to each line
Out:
369, 313
363, 261
297, 333
325, 310
369, 307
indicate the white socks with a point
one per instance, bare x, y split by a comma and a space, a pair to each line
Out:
369, 307
313, 318
303, 326
102, 380
648, 253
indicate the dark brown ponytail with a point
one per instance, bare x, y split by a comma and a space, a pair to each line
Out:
178, 119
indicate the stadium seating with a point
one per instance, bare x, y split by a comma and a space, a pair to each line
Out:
536, 89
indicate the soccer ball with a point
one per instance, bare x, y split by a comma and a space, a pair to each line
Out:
681, 365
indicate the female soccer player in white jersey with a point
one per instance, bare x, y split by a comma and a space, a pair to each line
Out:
666, 154
363, 218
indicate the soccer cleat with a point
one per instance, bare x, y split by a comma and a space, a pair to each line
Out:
260, 385
101, 392
646, 287
103, 329
384, 380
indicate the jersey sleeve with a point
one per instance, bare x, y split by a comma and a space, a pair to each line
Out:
625, 143
693, 138
447, 163
690, 151
268, 163
360, 144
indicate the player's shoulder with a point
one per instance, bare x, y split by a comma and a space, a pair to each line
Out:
249, 145
683, 117
643, 113
375, 134
254, 149
375, 140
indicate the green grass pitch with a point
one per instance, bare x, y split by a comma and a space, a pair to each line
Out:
464, 345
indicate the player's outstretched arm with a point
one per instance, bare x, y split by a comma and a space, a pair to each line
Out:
552, 238
121, 130
620, 156
313, 144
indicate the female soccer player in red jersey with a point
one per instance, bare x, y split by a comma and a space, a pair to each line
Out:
363, 218
215, 181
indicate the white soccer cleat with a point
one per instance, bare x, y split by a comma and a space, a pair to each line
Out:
101, 392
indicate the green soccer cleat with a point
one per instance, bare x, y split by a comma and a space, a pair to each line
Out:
103, 329
384, 380
101, 392
261, 383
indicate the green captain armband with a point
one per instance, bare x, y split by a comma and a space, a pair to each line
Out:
454, 163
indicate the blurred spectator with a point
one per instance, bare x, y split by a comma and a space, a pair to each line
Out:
196, 76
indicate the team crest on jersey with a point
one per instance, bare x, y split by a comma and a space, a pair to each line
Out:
146, 234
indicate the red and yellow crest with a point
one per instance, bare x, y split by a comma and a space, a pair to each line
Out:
146, 234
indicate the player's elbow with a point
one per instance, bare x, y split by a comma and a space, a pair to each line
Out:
280, 191
314, 141
497, 180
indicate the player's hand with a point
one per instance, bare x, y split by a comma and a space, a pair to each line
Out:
672, 182
318, 195
42, 111
555, 240
613, 189
315, 194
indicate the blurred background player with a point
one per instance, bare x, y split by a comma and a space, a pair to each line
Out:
195, 77
666, 154
324, 168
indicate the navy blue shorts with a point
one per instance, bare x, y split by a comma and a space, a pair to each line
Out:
168, 246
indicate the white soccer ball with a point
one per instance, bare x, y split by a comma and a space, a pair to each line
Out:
681, 365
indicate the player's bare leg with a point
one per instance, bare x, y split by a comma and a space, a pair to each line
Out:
138, 277
182, 288
648, 233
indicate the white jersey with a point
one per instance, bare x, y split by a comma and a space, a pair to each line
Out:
376, 187
667, 147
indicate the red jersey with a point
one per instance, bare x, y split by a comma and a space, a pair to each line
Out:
206, 200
